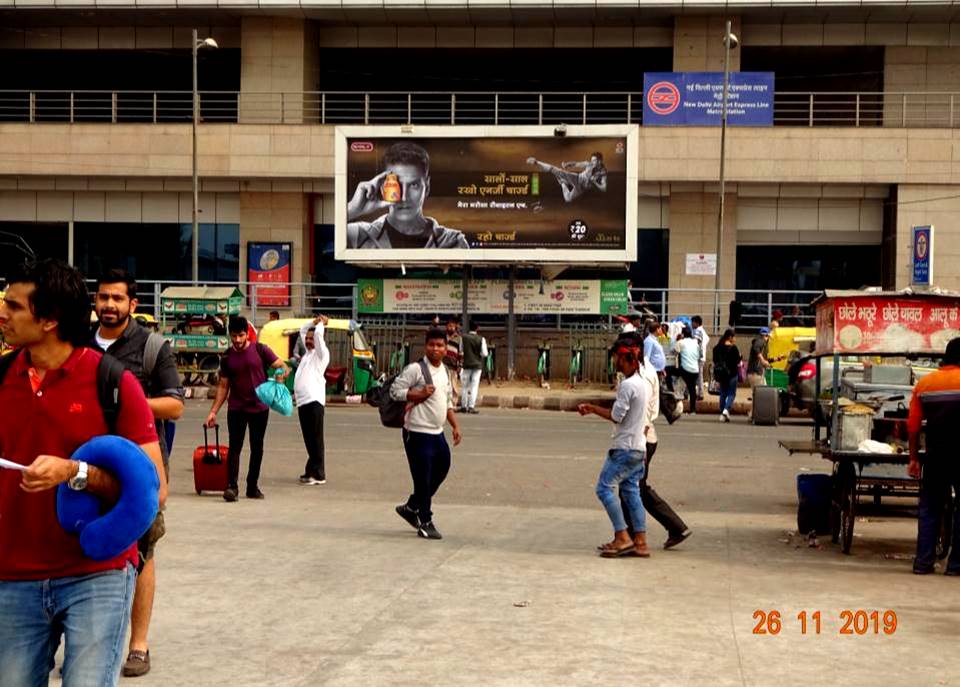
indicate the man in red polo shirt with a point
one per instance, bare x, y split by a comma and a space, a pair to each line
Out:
48, 587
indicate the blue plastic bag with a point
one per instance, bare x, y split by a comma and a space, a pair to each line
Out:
276, 396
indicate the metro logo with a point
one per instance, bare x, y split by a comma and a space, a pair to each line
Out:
663, 97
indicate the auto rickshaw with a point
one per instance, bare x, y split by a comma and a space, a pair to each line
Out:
352, 367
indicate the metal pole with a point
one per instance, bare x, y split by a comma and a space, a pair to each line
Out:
195, 235
723, 178
465, 311
70, 255
511, 326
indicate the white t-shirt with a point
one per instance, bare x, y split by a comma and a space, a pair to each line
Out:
309, 384
630, 413
430, 415
101, 342
651, 377
704, 340
688, 355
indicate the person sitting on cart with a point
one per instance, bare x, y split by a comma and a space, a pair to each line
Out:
936, 399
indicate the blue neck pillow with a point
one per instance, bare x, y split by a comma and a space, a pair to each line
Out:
106, 535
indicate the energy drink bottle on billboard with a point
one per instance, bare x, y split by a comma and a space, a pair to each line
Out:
391, 189
535, 184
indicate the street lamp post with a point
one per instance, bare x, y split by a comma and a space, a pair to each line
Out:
195, 234
730, 40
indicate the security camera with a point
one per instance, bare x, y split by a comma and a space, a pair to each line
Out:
560, 131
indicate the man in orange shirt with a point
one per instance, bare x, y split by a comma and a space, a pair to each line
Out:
936, 399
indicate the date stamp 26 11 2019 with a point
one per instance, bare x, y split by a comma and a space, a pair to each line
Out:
855, 623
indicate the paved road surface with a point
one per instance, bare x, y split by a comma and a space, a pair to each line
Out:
326, 585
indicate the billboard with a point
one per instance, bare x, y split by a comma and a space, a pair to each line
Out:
491, 296
269, 266
464, 195
922, 256
696, 99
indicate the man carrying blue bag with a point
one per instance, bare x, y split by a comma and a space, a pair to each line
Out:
242, 369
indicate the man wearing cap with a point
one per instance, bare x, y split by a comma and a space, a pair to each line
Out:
936, 400
759, 358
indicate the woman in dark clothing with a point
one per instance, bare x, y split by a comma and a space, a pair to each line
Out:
726, 363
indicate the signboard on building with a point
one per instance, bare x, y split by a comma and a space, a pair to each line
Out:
922, 256
490, 296
460, 195
702, 264
852, 322
269, 267
696, 98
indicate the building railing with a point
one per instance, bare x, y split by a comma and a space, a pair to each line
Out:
848, 109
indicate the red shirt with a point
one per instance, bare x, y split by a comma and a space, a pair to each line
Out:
56, 419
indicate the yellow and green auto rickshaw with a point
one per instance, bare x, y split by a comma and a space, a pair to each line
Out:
352, 368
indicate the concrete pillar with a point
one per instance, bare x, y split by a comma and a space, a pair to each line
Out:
693, 229
279, 63
269, 216
935, 204
698, 44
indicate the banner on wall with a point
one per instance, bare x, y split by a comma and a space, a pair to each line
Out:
270, 266
490, 296
696, 98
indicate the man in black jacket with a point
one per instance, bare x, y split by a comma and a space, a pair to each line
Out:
151, 361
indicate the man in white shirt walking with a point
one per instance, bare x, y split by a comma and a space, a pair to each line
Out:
310, 389
703, 340
625, 463
427, 388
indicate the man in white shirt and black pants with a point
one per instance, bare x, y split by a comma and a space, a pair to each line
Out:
428, 390
703, 341
625, 463
310, 389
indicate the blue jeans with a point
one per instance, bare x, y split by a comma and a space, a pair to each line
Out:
728, 393
91, 612
623, 469
429, 458
938, 475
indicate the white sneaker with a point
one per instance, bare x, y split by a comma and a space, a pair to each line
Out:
726, 416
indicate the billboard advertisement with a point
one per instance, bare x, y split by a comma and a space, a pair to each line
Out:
696, 99
490, 296
459, 195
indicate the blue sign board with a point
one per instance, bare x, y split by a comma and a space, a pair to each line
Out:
696, 99
922, 256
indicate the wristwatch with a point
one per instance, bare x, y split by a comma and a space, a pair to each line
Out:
79, 481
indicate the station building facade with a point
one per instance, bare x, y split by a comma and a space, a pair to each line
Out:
95, 135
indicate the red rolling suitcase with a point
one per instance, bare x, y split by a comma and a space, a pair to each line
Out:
210, 464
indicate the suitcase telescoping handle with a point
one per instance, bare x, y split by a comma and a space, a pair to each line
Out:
216, 437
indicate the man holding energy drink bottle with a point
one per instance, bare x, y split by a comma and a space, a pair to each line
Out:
401, 188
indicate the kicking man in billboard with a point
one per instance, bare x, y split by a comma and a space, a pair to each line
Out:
400, 188
576, 178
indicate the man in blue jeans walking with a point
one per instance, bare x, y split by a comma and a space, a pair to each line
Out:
625, 463
427, 387
49, 589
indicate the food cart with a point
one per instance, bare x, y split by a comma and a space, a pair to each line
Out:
194, 320
861, 428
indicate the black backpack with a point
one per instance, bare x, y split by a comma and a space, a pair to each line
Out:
109, 372
393, 413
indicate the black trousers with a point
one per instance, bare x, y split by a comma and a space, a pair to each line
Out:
237, 423
939, 475
429, 458
690, 380
311, 426
654, 505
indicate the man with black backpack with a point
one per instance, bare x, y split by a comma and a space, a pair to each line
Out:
149, 358
56, 395
427, 389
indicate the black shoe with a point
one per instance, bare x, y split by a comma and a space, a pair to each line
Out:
312, 480
952, 573
427, 530
675, 539
230, 494
923, 571
408, 514
254, 494
473, 411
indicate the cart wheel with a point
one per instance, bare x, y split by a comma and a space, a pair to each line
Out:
848, 512
946, 528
